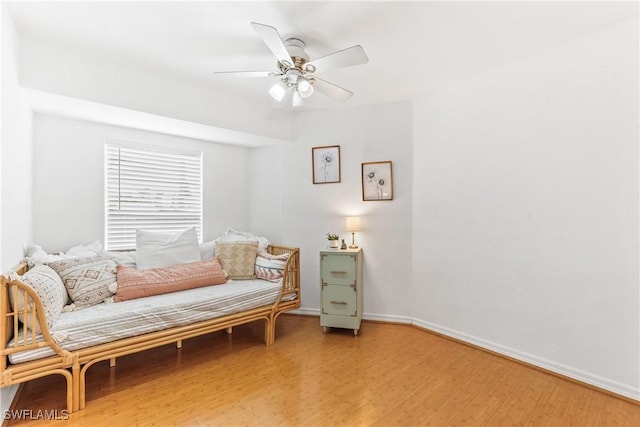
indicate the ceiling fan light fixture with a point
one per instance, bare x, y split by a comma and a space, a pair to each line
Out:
304, 88
278, 91
295, 70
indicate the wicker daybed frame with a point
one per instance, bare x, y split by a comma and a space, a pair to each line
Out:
73, 365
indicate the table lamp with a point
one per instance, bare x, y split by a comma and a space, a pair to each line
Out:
353, 225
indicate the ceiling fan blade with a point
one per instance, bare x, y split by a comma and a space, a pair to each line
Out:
273, 41
331, 90
348, 57
248, 73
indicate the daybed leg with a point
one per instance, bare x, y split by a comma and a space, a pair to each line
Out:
269, 330
83, 384
70, 390
77, 387
112, 362
179, 344
229, 330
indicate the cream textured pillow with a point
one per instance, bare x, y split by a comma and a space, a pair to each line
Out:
270, 267
155, 250
238, 259
49, 288
89, 281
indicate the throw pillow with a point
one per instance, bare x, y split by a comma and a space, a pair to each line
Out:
270, 267
134, 283
238, 259
154, 250
232, 235
207, 250
126, 258
89, 281
49, 287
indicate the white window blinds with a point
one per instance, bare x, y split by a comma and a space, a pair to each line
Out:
150, 189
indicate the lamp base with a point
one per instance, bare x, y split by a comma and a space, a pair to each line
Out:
353, 241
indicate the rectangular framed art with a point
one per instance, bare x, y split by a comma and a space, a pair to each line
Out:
326, 164
377, 181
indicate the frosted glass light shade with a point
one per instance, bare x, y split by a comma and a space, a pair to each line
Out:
278, 91
353, 223
297, 99
305, 88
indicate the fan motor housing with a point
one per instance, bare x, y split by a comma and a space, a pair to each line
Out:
295, 47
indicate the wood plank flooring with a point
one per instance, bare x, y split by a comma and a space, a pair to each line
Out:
389, 375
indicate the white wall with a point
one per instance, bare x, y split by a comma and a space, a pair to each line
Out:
15, 215
15, 165
526, 210
265, 193
308, 211
87, 76
68, 177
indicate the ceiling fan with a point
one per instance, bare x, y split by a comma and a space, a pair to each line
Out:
296, 72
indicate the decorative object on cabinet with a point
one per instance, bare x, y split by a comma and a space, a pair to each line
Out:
353, 225
325, 162
377, 181
333, 240
341, 289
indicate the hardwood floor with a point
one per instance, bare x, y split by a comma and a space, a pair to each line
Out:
389, 375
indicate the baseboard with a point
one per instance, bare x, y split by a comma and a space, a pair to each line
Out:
7, 396
306, 311
587, 378
366, 316
403, 320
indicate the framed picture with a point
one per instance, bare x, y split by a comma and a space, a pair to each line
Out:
377, 181
326, 164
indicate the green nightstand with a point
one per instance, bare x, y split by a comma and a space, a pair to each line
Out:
341, 289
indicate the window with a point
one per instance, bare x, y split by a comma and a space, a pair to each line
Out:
152, 189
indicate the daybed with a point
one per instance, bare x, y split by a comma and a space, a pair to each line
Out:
26, 354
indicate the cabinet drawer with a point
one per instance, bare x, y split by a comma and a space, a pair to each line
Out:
339, 300
338, 269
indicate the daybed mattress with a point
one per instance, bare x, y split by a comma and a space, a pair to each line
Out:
108, 322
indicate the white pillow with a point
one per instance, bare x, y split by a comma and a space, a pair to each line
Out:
208, 250
156, 250
35, 255
124, 258
232, 235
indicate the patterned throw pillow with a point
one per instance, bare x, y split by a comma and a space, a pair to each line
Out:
49, 288
133, 283
270, 267
89, 281
238, 259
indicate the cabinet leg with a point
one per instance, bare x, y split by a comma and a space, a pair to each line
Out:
324, 329
355, 332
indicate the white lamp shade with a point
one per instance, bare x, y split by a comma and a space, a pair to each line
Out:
297, 99
305, 88
278, 91
353, 223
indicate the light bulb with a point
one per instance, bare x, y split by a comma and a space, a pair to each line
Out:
297, 99
278, 91
305, 88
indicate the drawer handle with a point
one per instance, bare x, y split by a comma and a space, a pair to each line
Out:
338, 272
339, 302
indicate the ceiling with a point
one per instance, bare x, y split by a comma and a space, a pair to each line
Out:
413, 47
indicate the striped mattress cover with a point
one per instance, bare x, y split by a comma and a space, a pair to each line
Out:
108, 322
